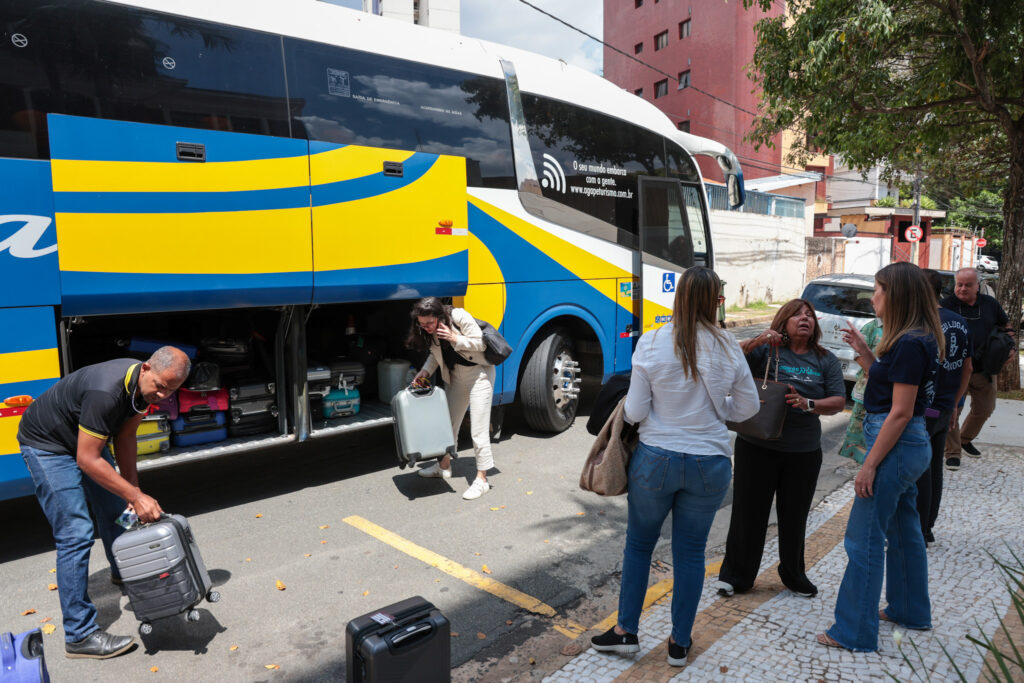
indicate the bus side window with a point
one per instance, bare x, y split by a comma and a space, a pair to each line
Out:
117, 62
351, 97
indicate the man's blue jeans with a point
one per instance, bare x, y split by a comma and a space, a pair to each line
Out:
889, 515
66, 494
691, 487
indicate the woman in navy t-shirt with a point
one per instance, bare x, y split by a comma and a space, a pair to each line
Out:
901, 384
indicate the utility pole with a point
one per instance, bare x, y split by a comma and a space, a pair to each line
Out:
915, 246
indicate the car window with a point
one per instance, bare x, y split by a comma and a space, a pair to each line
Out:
840, 300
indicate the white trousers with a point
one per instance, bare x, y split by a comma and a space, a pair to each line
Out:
472, 387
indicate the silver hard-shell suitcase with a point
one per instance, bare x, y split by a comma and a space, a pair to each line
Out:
162, 570
423, 425
252, 406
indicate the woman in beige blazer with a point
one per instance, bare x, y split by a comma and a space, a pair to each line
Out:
456, 346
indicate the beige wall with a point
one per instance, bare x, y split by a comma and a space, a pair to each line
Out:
761, 258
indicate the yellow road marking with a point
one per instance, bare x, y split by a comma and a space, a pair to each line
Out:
451, 568
654, 593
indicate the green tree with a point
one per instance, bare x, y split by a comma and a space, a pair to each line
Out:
983, 211
905, 84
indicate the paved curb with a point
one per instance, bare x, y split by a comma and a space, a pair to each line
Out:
752, 320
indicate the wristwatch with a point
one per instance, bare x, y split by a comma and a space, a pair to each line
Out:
810, 405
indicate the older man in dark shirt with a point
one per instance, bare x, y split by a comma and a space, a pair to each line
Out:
64, 437
982, 313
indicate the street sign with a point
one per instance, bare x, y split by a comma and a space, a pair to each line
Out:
980, 242
913, 233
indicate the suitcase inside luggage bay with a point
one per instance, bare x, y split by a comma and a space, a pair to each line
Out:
407, 642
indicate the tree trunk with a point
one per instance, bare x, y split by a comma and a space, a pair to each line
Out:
1011, 275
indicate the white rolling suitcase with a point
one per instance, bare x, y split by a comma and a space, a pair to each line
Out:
423, 425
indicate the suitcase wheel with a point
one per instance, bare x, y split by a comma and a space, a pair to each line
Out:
212, 596
145, 628
193, 615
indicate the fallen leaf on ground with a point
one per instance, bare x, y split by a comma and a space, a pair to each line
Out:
529, 493
53, 571
366, 592
52, 587
723, 669
396, 566
28, 612
572, 649
481, 635
547, 541
48, 628
455, 634
477, 554
259, 515
308, 555
325, 526
233, 648
485, 569
437, 580
580, 514
323, 542
43, 621
154, 669
495, 509
248, 559
502, 507
280, 586
532, 661
508, 622
271, 666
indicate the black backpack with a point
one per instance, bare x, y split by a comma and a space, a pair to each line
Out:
995, 352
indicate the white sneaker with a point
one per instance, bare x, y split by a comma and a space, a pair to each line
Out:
478, 488
435, 470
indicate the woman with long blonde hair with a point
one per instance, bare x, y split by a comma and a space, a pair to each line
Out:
688, 378
883, 534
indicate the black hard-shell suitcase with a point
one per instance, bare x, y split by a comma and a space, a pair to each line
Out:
249, 425
249, 386
253, 406
162, 570
407, 642
346, 373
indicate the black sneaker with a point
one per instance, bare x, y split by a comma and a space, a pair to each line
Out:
725, 589
953, 463
929, 538
804, 588
677, 654
970, 450
99, 645
610, 641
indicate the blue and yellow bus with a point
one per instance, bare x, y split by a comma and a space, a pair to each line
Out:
296, 173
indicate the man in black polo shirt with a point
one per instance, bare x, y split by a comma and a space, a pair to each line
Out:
63, 436
982, 313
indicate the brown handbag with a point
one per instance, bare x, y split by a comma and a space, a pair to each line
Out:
767, 424
605, 471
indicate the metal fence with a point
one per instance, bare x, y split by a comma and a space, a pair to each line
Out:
764, 203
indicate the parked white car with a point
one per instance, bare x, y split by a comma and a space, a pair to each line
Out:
839, 299
988, 264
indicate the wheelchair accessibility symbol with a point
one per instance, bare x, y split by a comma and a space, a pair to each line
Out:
668, 282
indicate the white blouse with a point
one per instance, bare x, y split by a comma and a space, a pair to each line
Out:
676, 413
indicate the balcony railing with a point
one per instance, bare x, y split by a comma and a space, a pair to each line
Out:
764, 203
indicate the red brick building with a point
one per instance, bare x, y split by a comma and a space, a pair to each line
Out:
699, 45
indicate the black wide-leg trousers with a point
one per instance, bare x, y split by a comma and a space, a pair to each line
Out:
759, 475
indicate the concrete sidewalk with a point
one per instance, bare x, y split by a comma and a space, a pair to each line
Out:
768, 633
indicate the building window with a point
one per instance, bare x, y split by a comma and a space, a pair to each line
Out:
661, 88
639, 4
683, 126
684, 79
638, 48
684, 29
661, 40
639, 92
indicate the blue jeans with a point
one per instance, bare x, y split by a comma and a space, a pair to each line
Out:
889, 515
691, 487
66, 494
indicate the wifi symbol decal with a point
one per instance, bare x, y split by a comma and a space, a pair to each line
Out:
554, 176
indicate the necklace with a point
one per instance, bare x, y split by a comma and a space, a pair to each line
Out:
137, 411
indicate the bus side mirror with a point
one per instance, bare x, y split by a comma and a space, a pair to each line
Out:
735, 188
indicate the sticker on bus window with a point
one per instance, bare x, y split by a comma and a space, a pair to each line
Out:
338, 83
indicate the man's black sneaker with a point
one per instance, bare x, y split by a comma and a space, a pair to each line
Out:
970, 450
953, 463
677, 654
610, 641
99, 645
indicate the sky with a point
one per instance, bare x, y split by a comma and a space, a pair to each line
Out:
513, 23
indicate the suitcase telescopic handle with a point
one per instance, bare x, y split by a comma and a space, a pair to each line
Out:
396, 639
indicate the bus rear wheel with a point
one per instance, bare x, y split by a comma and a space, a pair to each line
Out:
550, 386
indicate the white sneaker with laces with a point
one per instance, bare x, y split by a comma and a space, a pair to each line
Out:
478, 488
436, 471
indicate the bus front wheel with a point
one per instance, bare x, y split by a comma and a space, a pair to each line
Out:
550, 386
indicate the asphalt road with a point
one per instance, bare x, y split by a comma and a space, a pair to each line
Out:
347, 532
